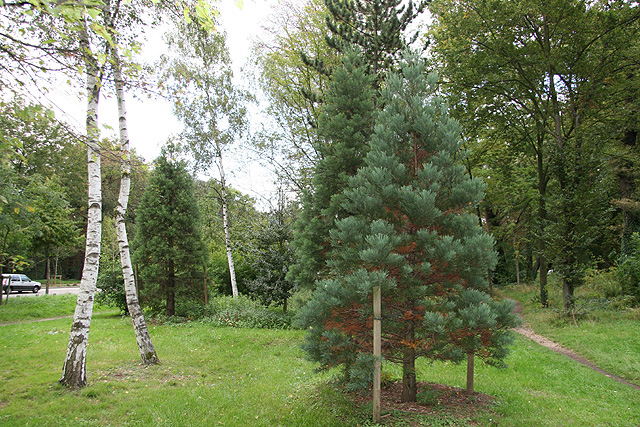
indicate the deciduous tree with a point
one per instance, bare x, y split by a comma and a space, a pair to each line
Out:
51, 220
532, 73
290, 141
210, 105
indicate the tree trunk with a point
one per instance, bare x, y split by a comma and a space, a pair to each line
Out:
206, 291
377, 352
147, 350
627, 182
48, 273
409, 384
74, 371
567, 259
515, 249
225, 225
470, 373
542, 218
567, 296
170, 290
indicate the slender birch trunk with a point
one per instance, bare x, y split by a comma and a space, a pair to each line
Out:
225, 226
147, 350
74, 372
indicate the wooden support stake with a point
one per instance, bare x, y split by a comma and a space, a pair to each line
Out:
470, 373
377, 352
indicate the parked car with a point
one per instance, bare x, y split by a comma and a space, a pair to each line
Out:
19, 283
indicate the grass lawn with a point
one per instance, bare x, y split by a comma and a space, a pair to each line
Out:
608, 338
24, 308
248, 377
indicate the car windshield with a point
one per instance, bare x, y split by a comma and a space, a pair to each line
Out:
24, 278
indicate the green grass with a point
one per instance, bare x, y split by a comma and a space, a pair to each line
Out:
249, 377
209, 376
608, 338
541, 388
23, 308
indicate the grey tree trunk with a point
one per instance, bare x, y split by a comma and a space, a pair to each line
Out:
48, 273
145, 345
74, 372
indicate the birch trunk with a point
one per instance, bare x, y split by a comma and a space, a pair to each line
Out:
74, 372
147, 350
225, 226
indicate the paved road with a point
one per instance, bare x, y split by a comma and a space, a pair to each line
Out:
52, 291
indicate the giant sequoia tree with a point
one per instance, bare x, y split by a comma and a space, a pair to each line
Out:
411, 230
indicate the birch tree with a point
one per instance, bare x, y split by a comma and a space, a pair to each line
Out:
74, 372
210, 106
145, 345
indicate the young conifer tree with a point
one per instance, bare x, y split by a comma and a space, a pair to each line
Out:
411, 230
377, 29
345, 127
169, 249
475, 325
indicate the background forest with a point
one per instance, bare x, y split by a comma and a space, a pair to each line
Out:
546, 94
428, 155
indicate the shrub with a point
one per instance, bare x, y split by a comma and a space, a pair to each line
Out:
111, 285
191, 309
602, 284
243, 312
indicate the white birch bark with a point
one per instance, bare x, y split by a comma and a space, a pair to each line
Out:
225, 226
145, 345
74, 372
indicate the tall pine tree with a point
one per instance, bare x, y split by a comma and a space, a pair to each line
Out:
345, 127
377, 30
377, 27
410, 229
169, 249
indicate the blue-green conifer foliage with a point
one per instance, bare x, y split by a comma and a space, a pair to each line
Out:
411, 230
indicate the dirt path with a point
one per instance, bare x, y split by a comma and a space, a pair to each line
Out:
525, 330
35, 320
